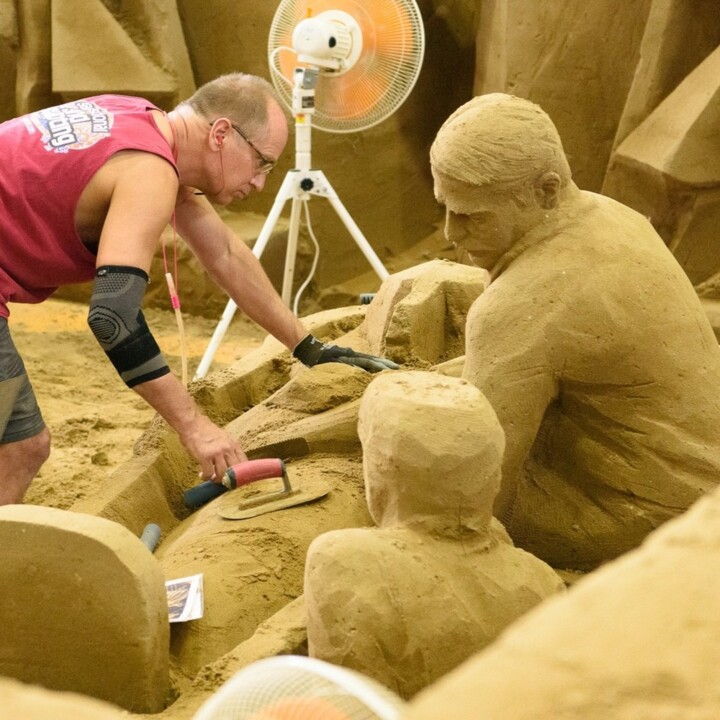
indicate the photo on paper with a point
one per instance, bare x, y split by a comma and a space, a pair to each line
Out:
185, 598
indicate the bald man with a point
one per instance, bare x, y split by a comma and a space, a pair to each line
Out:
86, 190
589, 341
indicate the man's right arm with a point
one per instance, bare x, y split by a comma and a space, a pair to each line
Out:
144, 192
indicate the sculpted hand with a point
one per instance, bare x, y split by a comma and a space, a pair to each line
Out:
310, 351
213, 448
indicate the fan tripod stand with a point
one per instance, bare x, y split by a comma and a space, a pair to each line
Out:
299, 185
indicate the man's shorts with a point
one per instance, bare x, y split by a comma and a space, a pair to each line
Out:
20, 416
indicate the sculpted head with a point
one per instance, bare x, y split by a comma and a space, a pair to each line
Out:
432, 453
499, 167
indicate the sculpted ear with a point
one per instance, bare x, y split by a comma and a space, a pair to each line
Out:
547, 190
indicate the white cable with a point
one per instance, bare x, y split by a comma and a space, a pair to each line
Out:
275, 70
315, 259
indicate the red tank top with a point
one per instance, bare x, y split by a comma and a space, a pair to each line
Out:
46, 160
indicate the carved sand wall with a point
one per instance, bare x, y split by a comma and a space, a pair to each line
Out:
602, 71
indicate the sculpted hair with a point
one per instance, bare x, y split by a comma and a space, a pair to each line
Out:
242, 98
499, 140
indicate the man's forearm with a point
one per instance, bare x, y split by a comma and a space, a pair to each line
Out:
171, 400
251, 289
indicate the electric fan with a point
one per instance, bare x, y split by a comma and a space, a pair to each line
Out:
293, 687
345, 66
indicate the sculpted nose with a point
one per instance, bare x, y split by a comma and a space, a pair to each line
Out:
454, 228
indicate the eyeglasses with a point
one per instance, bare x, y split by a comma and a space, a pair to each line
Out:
265, 165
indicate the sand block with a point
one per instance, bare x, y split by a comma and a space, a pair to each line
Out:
637, 639
668, 169
83, 608
420, 313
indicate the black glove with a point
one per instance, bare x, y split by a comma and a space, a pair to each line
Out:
310, 351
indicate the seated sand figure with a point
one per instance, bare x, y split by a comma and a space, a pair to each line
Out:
589, 342
438, 579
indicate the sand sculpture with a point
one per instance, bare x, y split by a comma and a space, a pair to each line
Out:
637, 639
544, 49
82, 608
438, 578
29, 702
665, 160
254, 568
589, 342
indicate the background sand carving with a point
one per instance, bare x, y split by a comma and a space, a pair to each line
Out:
600, 71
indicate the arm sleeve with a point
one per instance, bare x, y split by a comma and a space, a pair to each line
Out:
117, 322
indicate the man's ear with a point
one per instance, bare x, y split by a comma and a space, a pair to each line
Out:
547, 190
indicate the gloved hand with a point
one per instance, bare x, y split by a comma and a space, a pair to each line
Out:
310, 351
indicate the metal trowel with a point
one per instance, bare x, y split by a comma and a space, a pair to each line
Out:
246, 502
252, 502
206, 491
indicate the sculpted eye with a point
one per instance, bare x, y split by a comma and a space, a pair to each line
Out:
481, 216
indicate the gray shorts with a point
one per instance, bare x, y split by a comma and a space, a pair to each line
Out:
20, 416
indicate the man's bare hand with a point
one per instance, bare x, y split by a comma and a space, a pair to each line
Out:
213, 448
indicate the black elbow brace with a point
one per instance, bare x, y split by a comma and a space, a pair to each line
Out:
118, 324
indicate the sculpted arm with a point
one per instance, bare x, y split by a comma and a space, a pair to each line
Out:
508, 360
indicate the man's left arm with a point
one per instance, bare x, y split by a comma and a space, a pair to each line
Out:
233, 266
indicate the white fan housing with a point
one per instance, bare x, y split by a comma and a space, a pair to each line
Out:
294, 687
368, 54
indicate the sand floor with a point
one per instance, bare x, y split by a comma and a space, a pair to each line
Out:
94, 418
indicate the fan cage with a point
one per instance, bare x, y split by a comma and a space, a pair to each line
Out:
385, 74
291, 687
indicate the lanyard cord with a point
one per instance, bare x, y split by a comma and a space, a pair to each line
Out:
171, 278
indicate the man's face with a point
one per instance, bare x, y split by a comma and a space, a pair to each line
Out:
244, 158
485, 223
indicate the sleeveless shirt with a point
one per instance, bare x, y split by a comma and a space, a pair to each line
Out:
46, 160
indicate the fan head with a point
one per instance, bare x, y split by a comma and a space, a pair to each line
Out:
368, 53
291, 687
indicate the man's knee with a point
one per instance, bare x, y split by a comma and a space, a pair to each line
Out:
37, 447
22, 460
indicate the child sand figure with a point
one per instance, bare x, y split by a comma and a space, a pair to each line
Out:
589, 342
438, 579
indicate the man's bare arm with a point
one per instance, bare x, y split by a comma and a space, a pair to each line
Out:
233, 267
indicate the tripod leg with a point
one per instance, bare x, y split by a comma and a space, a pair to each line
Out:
291, 251
215, 340
325, 189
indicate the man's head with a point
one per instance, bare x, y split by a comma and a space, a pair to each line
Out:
432, 453
245, 126
499, 168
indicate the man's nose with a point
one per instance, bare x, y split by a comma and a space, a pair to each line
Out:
258, 182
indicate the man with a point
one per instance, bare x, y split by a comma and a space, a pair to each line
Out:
589, 341
86, 190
